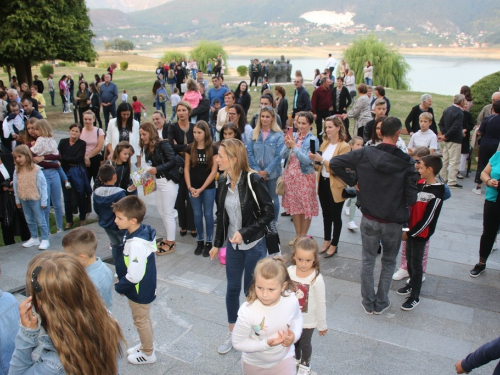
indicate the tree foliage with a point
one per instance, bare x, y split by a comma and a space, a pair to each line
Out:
173, 54
482, 91
205, 51
124, 65
45, 30
242, 70
46, 69
389, 67
118, 44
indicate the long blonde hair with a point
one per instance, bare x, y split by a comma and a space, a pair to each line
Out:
86, 338
236, 149
24, 150
271, 268
154, 138
274, 124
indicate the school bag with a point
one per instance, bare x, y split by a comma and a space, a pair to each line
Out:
162, 95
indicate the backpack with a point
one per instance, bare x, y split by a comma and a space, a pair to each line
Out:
162, 95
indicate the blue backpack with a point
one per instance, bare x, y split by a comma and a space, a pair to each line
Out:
162, 95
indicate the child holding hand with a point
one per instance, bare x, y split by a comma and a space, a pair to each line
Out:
310, 291
269, 323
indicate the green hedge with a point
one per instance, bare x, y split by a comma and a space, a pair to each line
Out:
242, 70
46, 69
482, 91
123, 65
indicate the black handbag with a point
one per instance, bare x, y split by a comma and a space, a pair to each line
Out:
349, 192
273, 243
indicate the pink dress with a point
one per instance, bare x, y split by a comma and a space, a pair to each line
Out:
300, 189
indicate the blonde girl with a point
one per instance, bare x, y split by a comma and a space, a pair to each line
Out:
200, 169
59, 321
269, 323
30, 190
310, 291
356, 143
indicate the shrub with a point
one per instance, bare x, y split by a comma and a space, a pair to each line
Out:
91, 64
482, 91
205, 51
103, 64
242, 70
46, 69
389, 66
169, 55
123, 65
61, 63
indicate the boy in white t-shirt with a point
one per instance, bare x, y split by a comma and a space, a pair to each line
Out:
424, 137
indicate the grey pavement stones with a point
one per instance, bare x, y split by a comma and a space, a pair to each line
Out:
456, 315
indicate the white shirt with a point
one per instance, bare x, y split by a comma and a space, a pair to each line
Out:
327, 155
257, 323
312, 299
331, 62
424, 139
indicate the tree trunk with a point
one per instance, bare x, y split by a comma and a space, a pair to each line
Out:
23, 71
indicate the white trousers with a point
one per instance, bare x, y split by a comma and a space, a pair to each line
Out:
165, 196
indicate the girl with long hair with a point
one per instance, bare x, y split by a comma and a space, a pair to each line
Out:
243, 98
192, 95
82, 99
171, 81
200, 169
30, 190
64, 93
228, 131
241, 224
238, 116
95, 104
59, 321
94, 140
330, 187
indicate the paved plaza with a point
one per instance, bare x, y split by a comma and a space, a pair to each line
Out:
456, 315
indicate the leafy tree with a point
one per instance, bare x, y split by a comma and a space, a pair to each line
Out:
389, 66
117, 44
205, 51
45, 30
482, 91
169, 55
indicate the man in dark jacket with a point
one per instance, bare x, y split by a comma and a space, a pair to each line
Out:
301, 99
451, 132
387, 186
203, 109
39, 84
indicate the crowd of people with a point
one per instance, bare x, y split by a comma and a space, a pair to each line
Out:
215, 158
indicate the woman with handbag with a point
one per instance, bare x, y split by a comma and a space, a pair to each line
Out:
330, 187
242, 221
166, 167
299, 198
264, 152
94, 139
123, 128
72, 152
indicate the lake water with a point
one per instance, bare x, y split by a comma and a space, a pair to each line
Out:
440, 75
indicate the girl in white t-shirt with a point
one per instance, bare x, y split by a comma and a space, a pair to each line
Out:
310, 291
269, 323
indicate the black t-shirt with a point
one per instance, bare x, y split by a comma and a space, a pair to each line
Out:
200, 173
124, 135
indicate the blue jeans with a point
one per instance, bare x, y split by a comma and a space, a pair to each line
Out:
238, 261
52, 94
368, 81
116, 238
271, 186
62, 175
54, 194
162, 107
174, 109
204, 206
34, 214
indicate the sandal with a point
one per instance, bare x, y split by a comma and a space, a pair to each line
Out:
162, 251
68, 226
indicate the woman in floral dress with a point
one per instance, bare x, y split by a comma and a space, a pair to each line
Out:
299, 199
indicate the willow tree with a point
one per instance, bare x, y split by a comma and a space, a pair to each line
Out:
207, 51
389, 66
32, 32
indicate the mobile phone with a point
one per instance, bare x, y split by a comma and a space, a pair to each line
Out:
290, 132
312, 146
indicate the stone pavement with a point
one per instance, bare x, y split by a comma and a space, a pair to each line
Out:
456, 315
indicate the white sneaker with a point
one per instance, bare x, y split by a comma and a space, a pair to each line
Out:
476, 190
423, 279
400, 274
44, 245
32, 242
347, 211
495, 246
304, 370
133, 349
226, 345
140, 358
352, 225
254, 89
67, 185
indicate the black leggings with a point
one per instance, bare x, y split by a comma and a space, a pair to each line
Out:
97, 114
332, 211
184, 209
303, 347
485, 154
491, 223
254, 77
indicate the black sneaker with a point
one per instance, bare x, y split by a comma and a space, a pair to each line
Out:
456, 186
285, 214
199, 249
477, 270
206, 250
410, 304
404, 291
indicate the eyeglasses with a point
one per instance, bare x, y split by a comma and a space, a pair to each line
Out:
417, 161
34, 279
232, 113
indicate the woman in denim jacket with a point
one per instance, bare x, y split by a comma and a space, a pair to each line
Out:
264, 152
300, 199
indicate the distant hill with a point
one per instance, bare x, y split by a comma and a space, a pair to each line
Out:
124, 5
261, 21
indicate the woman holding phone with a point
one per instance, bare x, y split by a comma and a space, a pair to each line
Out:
299, 198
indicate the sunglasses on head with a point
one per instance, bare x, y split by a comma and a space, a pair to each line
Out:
34, 279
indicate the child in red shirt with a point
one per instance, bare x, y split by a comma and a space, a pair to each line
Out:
136, 106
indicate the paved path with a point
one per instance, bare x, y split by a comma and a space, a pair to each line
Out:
456, 315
